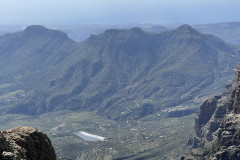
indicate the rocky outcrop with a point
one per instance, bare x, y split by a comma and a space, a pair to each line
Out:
207, 109
217, 126
25, 143
209, 116
229, 138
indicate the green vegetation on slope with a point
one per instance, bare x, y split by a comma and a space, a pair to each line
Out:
107, 73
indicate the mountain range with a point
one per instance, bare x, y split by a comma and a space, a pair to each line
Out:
120, 74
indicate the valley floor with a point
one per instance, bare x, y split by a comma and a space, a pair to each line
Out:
149, 138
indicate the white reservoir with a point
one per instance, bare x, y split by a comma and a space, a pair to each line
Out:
89, 137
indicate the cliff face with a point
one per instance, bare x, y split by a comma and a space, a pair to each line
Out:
229, 129
217, 126
25, 143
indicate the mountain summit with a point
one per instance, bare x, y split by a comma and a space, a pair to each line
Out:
41, 30
186, 29
36, 29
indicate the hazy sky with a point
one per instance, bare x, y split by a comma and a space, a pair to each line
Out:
50, 12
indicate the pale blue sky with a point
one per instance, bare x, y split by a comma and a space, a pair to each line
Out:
52, 12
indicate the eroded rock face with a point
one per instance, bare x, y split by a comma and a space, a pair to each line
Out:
25, 143
217, 126
209, 117
204, 115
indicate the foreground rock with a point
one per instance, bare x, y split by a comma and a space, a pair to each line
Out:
217, 126
25, 143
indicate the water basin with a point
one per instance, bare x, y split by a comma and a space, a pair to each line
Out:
88, 137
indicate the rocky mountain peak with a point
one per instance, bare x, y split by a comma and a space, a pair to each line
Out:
39, 30
25, 143
36, 28
185, 28
136, 29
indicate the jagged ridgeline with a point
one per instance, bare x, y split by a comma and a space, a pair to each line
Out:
217, 126
118, 74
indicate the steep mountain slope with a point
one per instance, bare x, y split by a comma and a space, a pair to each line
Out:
36, 48
118, 74
126, 65
217, 126
28, 59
